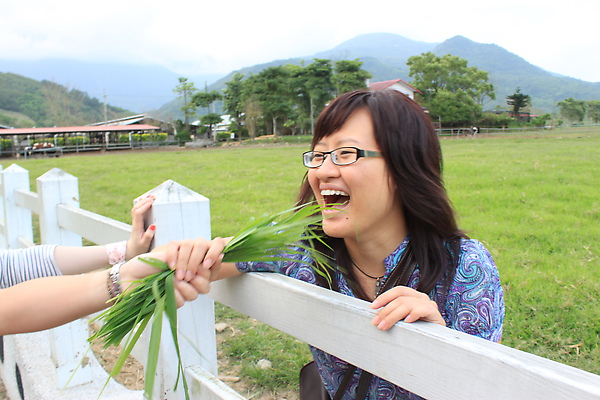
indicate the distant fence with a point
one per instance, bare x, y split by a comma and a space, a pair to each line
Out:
482, 131
430, 360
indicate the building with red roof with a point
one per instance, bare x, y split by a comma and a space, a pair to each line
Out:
395, 84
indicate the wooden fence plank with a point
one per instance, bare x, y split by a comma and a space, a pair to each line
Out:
427, 359
94, 227
27, 199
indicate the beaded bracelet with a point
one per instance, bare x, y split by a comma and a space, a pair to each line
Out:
113, 281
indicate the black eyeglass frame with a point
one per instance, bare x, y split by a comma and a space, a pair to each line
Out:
359, 153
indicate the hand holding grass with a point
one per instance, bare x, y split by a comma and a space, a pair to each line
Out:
135, 270
196, 256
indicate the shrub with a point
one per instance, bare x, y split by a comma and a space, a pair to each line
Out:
183, 136
6, 144
223, 136
540, 120
493, 120
77, 140
160, 136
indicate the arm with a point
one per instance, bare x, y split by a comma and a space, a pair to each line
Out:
475, 301
78, 260
48, 302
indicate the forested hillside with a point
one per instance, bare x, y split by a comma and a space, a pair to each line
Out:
26, 102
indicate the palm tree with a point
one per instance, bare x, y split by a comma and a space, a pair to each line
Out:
518, 101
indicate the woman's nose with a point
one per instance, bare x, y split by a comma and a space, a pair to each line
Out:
328, 168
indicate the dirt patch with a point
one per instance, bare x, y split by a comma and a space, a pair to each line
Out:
132, 374
229, 372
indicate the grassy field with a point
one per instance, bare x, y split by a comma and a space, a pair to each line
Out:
533, 200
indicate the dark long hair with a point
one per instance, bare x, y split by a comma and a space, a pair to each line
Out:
411, 149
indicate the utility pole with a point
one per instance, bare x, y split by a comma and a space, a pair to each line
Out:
105, 112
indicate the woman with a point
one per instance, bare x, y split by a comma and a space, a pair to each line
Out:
377, 157
30, 304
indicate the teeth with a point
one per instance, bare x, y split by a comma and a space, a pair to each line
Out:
329, 192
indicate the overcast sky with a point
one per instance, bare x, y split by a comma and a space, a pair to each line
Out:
194, 37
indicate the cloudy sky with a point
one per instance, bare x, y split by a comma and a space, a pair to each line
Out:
196, 37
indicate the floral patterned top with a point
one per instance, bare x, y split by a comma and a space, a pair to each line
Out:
474, 304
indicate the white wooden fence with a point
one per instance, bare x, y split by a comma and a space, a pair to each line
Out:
433, 361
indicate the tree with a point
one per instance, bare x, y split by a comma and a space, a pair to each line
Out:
253, 114
572, 110
349, 76
456, 108
271, 87
209, 120
290, 96
205, 99
186, 89
319, 86
233, 103
518, 101
433, 75
593, 109
541, 120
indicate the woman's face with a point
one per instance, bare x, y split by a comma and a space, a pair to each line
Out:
363, 191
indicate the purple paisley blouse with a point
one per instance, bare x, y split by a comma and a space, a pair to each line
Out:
474, 304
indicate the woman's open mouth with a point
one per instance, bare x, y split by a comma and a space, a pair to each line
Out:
335, 198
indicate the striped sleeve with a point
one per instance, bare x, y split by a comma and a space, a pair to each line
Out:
21, 265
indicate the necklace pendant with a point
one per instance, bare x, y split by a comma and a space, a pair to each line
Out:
378, 285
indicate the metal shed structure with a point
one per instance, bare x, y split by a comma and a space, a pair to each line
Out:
99, 137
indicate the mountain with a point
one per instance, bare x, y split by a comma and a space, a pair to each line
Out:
150, 88
25, 102
385, 55
507, 71
140, 88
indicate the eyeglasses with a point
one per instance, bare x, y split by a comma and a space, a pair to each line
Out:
341, 156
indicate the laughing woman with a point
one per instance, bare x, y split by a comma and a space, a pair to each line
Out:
393, 234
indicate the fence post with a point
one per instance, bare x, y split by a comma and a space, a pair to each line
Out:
3, 235
68, 342
17, 220
180, 213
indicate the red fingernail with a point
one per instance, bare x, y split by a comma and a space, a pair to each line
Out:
152, 227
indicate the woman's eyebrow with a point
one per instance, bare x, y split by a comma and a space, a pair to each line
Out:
341, 143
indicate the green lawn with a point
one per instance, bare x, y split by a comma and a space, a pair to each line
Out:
533, 200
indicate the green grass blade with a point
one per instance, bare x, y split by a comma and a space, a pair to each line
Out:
154, 345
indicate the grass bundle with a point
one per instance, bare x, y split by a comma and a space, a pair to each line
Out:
268, 238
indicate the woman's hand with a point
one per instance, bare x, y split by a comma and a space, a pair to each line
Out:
404, 303
136, 269
139, 241
197, 256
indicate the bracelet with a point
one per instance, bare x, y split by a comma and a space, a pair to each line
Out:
116, 252
113, 281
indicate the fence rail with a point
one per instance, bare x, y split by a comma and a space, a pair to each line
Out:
432, 361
